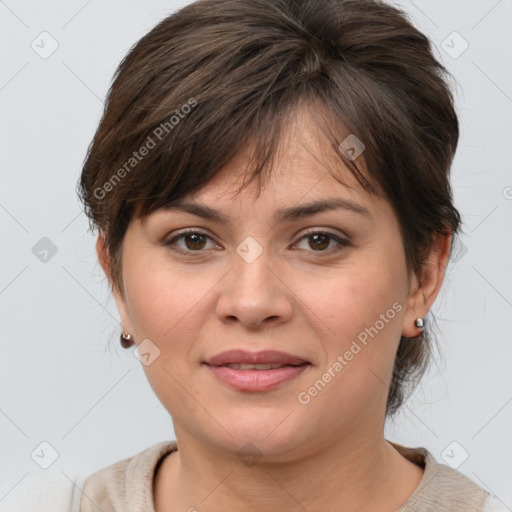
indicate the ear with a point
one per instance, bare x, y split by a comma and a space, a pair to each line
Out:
104, 259
423, 291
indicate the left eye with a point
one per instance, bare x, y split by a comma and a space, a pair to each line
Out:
320, 240
195, 241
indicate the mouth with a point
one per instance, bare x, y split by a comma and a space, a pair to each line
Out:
249, 366
255, 371
264, 357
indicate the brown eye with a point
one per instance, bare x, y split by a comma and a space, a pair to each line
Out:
319, 241
193, 241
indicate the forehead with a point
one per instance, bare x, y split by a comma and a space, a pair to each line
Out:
305, 165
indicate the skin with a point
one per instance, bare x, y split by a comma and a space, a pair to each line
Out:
295, 298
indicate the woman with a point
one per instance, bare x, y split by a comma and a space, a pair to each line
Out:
270, 183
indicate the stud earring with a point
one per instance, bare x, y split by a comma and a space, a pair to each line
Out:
126, 340
419, 322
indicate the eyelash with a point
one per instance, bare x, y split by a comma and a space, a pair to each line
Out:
342, 243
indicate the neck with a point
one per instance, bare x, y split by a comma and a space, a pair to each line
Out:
363, 474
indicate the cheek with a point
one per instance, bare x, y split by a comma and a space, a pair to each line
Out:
354, 298
362, 308
147, 303
160, 299
164, 306
352, 383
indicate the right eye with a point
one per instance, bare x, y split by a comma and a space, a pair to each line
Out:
193, 239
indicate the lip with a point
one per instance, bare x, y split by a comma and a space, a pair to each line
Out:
256, 380
262, 357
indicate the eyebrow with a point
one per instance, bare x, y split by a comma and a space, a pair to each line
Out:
281, 215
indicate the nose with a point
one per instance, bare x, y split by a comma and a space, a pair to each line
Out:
255, 294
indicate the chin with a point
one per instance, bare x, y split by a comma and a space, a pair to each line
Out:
264, 432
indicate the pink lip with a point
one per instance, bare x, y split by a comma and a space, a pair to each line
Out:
256, 380
244, 357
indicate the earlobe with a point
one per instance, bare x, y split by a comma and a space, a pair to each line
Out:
423, 291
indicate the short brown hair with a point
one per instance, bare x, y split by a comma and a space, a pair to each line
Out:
219, 73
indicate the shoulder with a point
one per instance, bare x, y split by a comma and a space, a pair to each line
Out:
128, 482
442, 487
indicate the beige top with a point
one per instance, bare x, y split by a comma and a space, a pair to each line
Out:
127, 485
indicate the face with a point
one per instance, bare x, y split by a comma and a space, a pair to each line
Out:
329, 289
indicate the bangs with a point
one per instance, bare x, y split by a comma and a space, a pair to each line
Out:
189, 147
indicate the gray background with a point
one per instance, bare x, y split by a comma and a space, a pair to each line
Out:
64, 378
